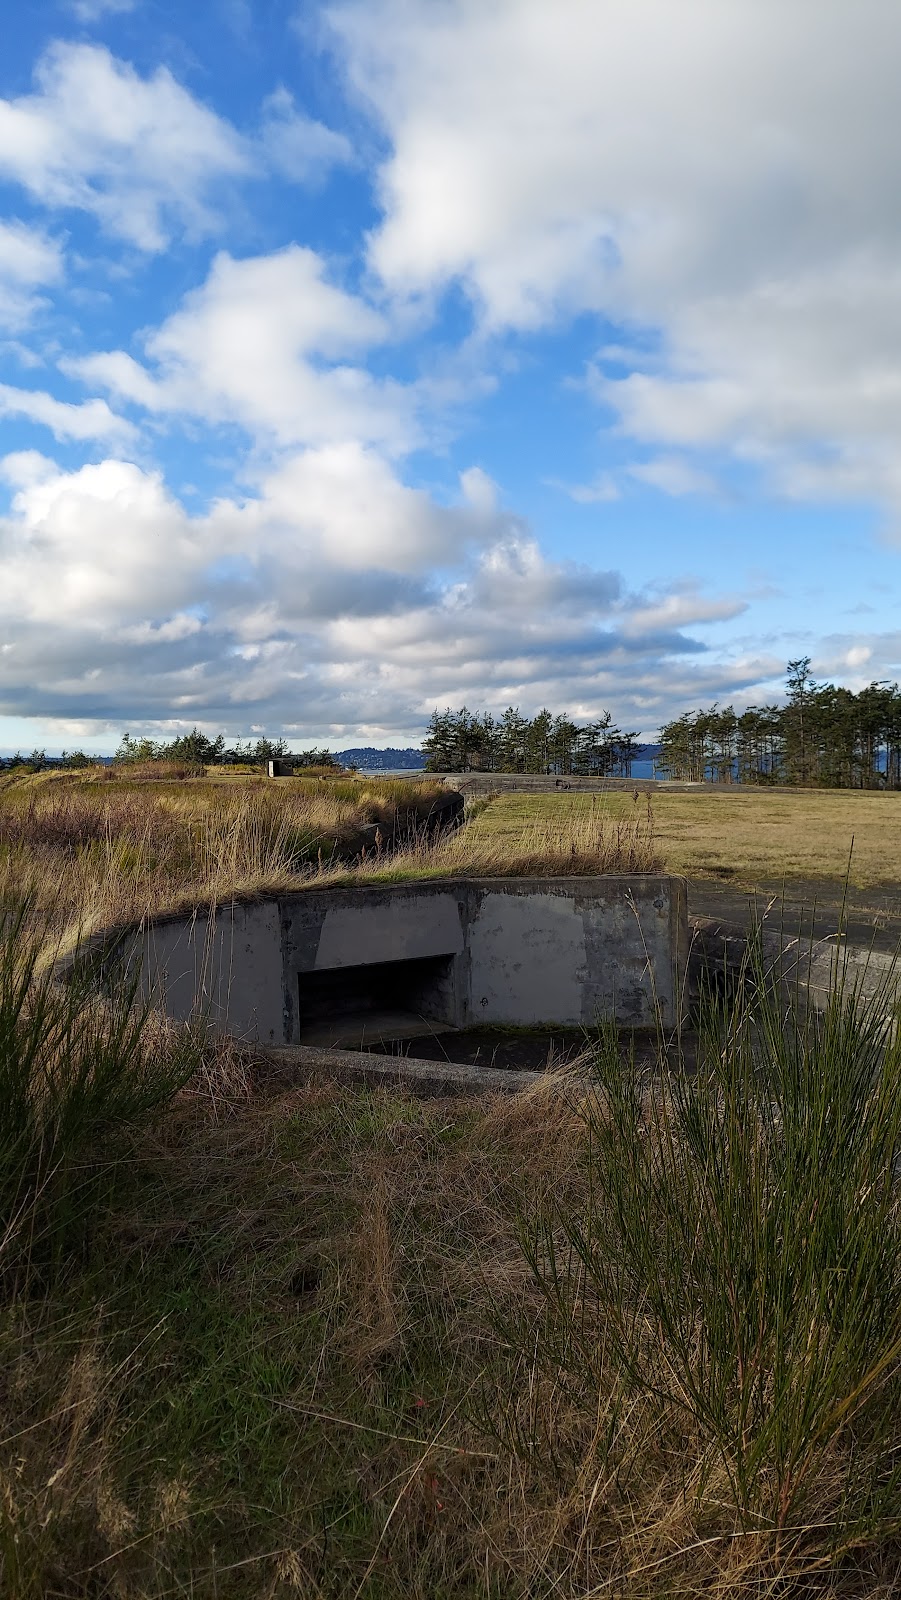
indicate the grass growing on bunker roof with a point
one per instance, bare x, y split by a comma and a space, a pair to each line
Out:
105, 852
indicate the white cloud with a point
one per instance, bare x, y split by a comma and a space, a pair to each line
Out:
92, 419
341, 507
673, 476
601, 490
95, 548
722, 174
479, 490
263, 343
298, 147
140, 153
336, 598
95, 10
579, 155
858, 656
28, 262
686, 606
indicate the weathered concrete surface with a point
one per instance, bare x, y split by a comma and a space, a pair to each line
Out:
528, 959
458, 953
226, 969
807, 967
403, 1072
397, 927
527, 951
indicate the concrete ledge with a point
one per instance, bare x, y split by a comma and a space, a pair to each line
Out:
423, 1078
807, 965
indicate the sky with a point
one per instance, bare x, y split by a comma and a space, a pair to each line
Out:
359, 359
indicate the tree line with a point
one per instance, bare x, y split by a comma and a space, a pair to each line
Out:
193, 749
823, 736
196, 749
477, 741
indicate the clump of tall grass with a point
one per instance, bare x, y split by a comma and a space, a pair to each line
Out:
154, 771
99, 854
67, 820
72, 1070
685, 1386
730, 1284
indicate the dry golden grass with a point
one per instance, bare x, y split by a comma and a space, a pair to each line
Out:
301, 1351
101, 853
320, 1369
743, 835
589, 842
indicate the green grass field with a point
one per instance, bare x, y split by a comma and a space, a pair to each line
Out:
741, 835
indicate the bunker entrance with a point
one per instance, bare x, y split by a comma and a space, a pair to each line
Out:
352, 1007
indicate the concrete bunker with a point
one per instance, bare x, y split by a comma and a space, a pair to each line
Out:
344, 967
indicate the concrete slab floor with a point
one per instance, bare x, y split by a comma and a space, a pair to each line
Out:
369, 1029
510, 1049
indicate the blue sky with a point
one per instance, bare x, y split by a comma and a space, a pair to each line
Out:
366, 357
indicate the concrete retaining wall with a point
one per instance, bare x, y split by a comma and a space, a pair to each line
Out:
444, 954
809, 970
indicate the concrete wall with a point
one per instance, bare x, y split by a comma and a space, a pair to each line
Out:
564, 951
805, 970
226, 969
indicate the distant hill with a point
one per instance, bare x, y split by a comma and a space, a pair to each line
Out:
371, 760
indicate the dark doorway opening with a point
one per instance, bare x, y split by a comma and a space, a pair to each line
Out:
350, 1007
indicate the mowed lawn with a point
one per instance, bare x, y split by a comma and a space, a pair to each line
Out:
744, 836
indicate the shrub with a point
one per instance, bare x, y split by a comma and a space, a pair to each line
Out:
72, 1070
736, 1266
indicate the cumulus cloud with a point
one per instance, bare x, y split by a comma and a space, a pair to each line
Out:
104, 544
336, 598
147, 155
148, 158
263, 343
681, 171
579, 154
722, 174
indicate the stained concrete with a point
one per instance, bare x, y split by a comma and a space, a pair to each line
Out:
805, 968
448, 953
528, 959
415, 1076
225, 967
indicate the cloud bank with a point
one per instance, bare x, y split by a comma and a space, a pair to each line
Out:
721, 175
314, 603
711, 187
